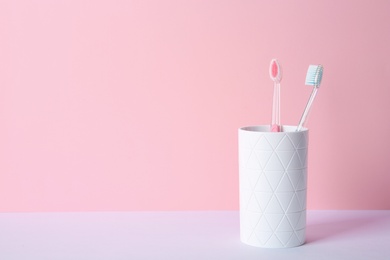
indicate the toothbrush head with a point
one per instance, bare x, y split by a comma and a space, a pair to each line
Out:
314, 75
275, 71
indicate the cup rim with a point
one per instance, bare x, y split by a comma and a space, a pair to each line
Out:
266, 129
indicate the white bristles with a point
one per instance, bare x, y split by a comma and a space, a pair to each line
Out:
314, 75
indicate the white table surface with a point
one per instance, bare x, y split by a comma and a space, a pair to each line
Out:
184, 235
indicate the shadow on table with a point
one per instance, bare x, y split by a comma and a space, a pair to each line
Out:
332, 227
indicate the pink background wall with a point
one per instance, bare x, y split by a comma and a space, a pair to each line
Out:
135, 105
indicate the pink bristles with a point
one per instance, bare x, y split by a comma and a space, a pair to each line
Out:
274, 69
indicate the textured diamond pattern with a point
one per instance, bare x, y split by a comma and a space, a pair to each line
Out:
273, 181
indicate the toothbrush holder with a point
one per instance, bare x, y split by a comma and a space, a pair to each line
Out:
272, 186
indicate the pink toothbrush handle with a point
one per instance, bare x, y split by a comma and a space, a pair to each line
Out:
275, 128
275, 125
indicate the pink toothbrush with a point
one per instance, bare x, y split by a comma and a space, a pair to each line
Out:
275, 73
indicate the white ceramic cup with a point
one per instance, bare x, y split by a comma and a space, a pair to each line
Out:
273, 184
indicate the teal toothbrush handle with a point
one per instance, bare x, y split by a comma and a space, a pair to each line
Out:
307, 108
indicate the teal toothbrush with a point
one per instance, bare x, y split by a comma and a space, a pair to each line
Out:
313, 78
